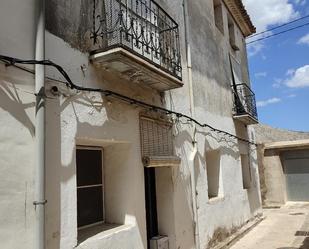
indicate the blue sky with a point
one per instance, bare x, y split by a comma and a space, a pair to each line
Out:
279, 66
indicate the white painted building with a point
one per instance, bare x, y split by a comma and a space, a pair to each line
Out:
118, 172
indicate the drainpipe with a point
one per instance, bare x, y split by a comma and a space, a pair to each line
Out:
193, 153
39, 181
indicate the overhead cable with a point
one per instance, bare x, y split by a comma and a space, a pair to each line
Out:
279, 33
279, 26
12, 61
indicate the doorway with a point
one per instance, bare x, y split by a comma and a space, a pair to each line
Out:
151, 204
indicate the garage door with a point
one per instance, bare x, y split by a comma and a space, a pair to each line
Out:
296, 169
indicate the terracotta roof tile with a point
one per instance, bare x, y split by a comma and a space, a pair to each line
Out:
240, 14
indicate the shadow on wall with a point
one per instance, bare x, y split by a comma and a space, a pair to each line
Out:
84, 115
60, 158
71, 20
261, 171
230, 145
183, 213
253, 192
11, 102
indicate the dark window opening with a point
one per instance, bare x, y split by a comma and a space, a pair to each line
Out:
232, 34
213, 173
218, 15
246, 171
89, 186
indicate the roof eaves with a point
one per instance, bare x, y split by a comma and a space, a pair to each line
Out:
241, 16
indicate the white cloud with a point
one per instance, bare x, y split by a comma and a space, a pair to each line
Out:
304, 40
270, 12
299, 78
278, 83
264, 57
292, 96
265, 13
300, 2
267, 102
255, 48
260, 74
290, 72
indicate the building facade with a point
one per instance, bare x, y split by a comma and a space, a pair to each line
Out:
283, 159
154, 145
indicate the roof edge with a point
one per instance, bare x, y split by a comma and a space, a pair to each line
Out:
286, 145
241, 16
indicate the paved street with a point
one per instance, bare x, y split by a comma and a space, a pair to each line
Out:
284, 228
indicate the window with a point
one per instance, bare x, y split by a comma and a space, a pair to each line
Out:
232, 35
157, 148
213, 172
246, 171
156, 137
218, 15
89, 186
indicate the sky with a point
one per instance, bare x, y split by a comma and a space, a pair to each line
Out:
279, 66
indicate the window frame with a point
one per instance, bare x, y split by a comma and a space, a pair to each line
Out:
157, 122
219, 24
96, 148
232, 33
246, 165
211, 167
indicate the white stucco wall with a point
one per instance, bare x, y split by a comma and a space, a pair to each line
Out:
16, 158
81, 118
17, 129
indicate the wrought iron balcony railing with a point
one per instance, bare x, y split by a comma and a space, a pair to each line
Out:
244, 102
141, 27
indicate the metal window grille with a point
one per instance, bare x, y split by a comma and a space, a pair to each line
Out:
156, 137
244, 100
141, 27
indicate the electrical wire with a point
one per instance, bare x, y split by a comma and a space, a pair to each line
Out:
279, 33
279, 26
11, 61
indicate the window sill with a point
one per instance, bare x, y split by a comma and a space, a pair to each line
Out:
100, 231
247, 189
215, 200
161, 161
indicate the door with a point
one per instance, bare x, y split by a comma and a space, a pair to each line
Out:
296, 169
151, 204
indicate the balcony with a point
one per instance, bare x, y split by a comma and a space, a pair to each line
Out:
137, 40
244, 104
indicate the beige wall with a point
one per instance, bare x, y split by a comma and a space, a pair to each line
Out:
272, 179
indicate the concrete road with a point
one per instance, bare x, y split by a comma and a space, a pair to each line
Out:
284, 228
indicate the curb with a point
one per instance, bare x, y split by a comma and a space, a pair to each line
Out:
239, 234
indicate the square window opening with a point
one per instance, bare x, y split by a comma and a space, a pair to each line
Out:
232, 34
246, 171
156, 137
101, 208
90, 186
213, 173
218, 14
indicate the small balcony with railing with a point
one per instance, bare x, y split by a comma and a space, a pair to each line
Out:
138, 40
244, 104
